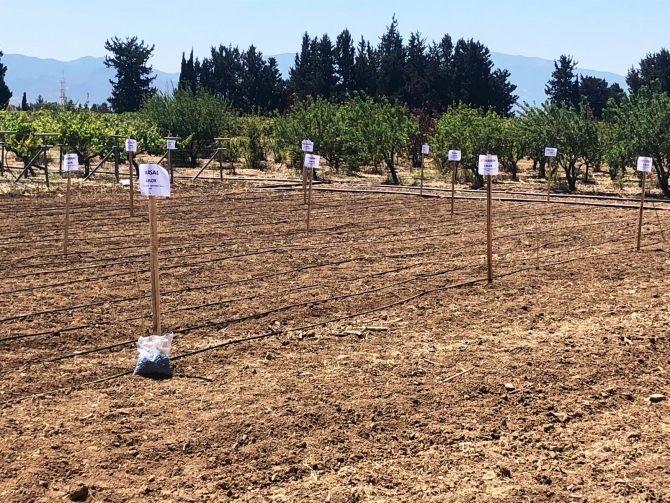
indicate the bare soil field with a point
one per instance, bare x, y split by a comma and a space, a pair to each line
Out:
366, 360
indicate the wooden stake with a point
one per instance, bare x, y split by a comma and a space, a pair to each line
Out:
423, 157
304, 185
489, 230
639, 225
548, 179
309, 197
67, 211
170, 166
155, 275
132, 187
454, 167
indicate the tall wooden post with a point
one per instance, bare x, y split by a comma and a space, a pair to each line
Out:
304, 185
67, 211
309, 197
155, 274
548, 179
489, 230
132, 185
423, 158
639, 225
454, 167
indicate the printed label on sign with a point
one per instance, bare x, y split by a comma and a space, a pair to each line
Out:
488, 165
454, 155
154, 181
131, 145
172, 144
312, 161
425, 149
71, 162
644, 164
307, 146
550, 152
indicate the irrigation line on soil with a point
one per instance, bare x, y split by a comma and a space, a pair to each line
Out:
309, 326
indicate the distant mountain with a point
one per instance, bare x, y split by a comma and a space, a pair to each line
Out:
87, 79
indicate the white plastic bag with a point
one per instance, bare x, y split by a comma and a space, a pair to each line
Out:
153, 359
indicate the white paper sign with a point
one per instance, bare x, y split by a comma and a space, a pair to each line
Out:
644, 164
425, 149
312, 161
307, 146
131, 145
172, 144
454, 155
71, 162
550, 152
154, 180
488, 165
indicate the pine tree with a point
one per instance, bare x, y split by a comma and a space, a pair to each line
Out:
415, 93
472, 68
251, 81
133, 76
5, 93
391, 55
365, 69
596, 93
440, 76
221, 73
345, 58
325, 76
561, 87
301, 76
188, 78
503, 97
654, 68
274, 85
24, 103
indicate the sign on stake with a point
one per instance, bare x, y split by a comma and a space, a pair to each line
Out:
549, 153
454, 158
70, 164
425, 150
131, 148
307, 147
154, 182
171, 145
488, 167
311, 163
644, 165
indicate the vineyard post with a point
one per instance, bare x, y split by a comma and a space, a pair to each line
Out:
3, 154
171, 145
454, 157
488, 166
60, 159
71, 164
45, 150
308, 148
116, 156
154, 182
131, 148
425, 149
311, 163
549, 153
644, 165
219, 151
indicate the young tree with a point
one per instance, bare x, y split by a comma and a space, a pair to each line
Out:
561, 87
5, 93
655, 67
391, 53
345, 59
133, 76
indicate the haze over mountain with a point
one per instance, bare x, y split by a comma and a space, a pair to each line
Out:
87, 79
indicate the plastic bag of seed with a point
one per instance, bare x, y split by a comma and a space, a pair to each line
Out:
153, 359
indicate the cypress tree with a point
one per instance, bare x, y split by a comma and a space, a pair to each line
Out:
24, 103
325, 77
133, 76
188, 78
561, 87
415, 93
345, 58
5, 93
391, 55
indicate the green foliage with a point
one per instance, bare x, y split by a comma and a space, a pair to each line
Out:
471, 131
195, 118
254, 131
5, 93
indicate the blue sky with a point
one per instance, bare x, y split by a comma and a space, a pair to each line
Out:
608, 35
